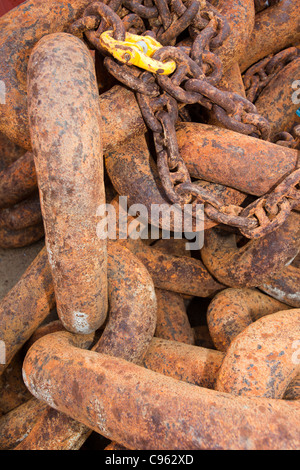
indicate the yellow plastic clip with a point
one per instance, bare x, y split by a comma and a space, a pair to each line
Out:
136, 50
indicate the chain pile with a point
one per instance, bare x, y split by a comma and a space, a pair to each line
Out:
191, 33
116, 341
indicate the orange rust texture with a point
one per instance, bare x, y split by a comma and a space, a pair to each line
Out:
133, 173
141, 409
275, 102
68, 159
188, 363
24, 214
239, 161
233, 310
132, 317
20, 238
115, 446
21, 29
13, 392
32, 299
253, 263
18, 181
26, 306
172, 319
54, 430
43, 330
128, 332
231, 81
275, 29
296, 261
175, 273
120, 118
240, 15
284, 286
9, 152
259, 361
19, 422
293, 390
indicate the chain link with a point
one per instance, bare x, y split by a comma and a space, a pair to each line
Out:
195, 80
259, 75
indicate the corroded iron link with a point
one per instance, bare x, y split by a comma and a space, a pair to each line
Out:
259, 75
200, 71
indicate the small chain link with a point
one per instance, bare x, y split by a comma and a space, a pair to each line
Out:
260, 74
195, 80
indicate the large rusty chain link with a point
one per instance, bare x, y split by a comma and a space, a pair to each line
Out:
112, 336
198, 72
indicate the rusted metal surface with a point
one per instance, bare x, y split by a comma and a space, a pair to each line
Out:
70, 176
21, 29
16, 425
13, 392
293, 390
231, 81
259, 361
275, 29
195, 365
132, 171
158, 412
24, 214
44, 330
26, 306
9, 152
233, 159
127, 334
72, 434
132, 316
233, 310
18, 181
172, 320
53, 16
151, 380
284, 286
175, 273
20, 238
241, 17
120, 117
257, 77
172, 246
37, 19
203, 337
253, 263
275, 102
158, 94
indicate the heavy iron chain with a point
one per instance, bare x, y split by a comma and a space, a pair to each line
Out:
190, 32
258, 77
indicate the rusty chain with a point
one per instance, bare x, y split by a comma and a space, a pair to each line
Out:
190, 32
258, 77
